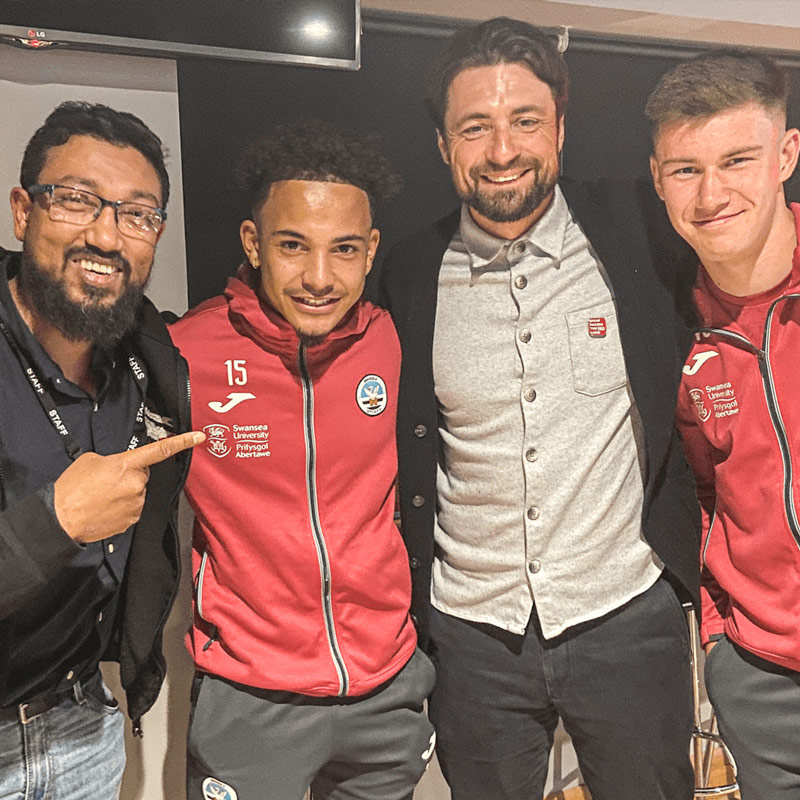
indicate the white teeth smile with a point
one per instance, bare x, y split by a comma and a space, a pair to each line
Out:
100, 269
316, 303
503, 178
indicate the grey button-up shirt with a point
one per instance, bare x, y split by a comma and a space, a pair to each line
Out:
540, 486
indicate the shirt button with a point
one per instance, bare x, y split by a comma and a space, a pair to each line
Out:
533, 512
420, 431
525, 335
110, 548
417, 501
535, 565
531, 455
519, 248
413, 563
520, 282
530, 395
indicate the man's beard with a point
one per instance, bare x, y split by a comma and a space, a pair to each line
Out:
509, 205
91, 319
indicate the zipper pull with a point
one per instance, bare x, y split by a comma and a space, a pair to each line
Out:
213, 638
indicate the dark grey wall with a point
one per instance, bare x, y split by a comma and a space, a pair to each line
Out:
225, 105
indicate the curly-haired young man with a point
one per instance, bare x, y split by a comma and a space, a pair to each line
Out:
305, 650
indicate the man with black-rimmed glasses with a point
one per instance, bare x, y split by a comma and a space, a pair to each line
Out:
88, 550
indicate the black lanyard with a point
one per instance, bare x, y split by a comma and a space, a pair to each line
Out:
73, 449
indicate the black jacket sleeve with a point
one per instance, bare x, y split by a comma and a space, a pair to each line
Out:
33, 549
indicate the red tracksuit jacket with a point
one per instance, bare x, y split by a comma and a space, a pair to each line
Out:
739, 418
301, 577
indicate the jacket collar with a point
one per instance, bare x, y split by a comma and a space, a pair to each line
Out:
256, 319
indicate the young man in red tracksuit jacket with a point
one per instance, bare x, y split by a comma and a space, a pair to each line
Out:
305, 650
722, 154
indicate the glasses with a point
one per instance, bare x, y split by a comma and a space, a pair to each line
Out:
79, 207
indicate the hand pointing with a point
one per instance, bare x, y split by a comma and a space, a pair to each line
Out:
100, 496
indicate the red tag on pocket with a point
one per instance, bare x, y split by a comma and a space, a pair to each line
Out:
597, 327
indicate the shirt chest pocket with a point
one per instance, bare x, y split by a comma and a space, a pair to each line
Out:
595, 351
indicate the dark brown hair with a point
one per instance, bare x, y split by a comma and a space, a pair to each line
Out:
717, 81
497, 41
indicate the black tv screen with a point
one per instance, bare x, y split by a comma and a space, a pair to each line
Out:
314, 32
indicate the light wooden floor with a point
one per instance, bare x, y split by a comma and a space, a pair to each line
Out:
721, 774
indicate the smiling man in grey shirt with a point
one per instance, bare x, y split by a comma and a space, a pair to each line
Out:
546, 505
512, 314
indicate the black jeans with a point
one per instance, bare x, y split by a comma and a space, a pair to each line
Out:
621, 684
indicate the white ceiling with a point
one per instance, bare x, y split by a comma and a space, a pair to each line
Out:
769, 24
769, 12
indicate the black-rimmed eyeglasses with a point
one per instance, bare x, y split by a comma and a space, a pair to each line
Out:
80, 207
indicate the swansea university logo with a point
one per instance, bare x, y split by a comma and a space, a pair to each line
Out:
698, 398
217, 440
371, 395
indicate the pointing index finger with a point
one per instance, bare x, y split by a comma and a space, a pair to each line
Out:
155, 452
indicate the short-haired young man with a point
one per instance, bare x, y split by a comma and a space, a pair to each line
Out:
305, 650
721, 155
88, 545
546, 504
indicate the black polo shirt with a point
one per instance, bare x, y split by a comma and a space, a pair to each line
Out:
61, 634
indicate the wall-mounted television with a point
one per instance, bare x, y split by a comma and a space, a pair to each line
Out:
313, 32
